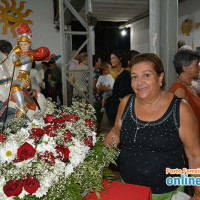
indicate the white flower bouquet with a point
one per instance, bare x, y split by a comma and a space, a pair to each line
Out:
55, 157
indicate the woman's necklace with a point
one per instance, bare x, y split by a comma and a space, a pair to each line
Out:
140, 127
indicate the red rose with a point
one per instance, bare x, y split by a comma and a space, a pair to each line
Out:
36, 133
31, 185
25, 152
63, 152
89, 123
63, 116
72, 117
88, 141
67, 136
3, 137
51, 130
59, 122
48, 118
47, 157
13, 188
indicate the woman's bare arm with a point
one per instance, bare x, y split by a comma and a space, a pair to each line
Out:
113, 137
103, 88
72, 78
94, 85
189, 135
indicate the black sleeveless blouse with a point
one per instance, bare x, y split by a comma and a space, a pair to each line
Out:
157, 147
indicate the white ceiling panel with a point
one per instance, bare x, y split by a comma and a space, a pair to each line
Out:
118, 10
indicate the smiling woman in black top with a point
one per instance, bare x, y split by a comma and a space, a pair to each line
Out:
152, 128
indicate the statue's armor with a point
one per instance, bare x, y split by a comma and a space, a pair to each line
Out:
24, 62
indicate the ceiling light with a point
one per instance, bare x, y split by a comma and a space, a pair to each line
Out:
123, 32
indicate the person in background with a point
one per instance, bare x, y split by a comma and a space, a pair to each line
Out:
75, 62
121, 87
72, 66
106, 80
130, 55
5, 49
97, 96
35, 78
57, 76
80, 78
152, 127
180, 44
186, 63
185, 47
41, 73
198, 84
117, 61
47, 76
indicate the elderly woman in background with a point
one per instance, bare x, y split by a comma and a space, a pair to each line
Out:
152, 127
186, 63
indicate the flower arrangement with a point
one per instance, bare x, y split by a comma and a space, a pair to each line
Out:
55, 157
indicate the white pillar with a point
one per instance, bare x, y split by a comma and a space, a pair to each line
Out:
63, 52
154, 26
90, 49
164, 33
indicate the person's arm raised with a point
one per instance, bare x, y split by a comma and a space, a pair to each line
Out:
113, 137
189, 135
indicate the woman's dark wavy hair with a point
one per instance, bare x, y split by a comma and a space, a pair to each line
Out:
95, 59
122, 57
132, 54
154, 60
184, 58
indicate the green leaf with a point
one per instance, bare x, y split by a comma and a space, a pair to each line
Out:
98, 195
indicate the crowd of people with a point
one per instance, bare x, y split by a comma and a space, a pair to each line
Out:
153, 127
47, 80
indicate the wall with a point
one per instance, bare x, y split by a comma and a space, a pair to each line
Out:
43, 28
190, 9
140, 35
187, 9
